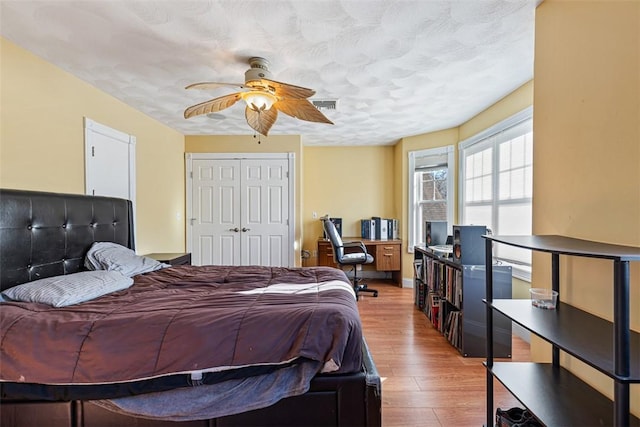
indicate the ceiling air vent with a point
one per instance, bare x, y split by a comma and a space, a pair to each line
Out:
324, 104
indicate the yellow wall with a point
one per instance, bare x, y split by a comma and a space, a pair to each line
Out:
249, 144
516, 101
42, 143
243, 144
349, 183
586, 177
402, 149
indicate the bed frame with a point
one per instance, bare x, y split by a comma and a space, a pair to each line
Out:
47, 234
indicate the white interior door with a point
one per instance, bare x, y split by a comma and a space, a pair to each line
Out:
240, 209
109, 161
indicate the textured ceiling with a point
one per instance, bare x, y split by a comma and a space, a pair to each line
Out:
397, 67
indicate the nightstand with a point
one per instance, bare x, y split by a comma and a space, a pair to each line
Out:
179, 258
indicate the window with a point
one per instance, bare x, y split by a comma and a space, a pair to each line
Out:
430, 190
496, 184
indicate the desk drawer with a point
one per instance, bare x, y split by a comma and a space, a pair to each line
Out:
387, 257
325, 254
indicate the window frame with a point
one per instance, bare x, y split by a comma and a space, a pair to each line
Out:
449, 151
478, 143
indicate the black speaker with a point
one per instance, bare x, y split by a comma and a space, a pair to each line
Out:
468, 244
435, 233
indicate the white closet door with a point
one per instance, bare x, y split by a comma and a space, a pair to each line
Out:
265, 218
240, 211
215, 226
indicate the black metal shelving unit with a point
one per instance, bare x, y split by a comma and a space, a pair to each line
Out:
471, 327
553, 394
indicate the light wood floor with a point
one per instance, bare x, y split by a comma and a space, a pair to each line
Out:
425, 381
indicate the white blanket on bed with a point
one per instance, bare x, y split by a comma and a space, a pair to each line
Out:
302, 288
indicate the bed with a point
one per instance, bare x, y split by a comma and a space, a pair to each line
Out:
176, 345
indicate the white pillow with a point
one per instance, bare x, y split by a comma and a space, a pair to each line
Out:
61, 291
115, 257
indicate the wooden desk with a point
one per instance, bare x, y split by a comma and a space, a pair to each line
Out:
386, 255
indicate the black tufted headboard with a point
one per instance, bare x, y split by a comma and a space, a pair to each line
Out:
47, 234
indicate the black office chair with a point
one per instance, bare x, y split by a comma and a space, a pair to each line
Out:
354, 256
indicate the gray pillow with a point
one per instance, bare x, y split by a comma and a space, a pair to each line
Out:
114, 257
61, 291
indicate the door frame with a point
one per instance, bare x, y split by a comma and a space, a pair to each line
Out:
290, 157
92, 127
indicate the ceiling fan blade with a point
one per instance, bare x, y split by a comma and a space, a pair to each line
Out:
211, 106
301, 109
261, 120
216, 85
285, 90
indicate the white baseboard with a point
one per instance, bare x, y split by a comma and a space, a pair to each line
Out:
407, 283
521, 332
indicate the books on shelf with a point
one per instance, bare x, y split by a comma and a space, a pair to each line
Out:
384, 229
433, 309
453, 288
368, 229
378, 228
435, 275
381, 228
452, 329
419, 284
394, 232
450, 289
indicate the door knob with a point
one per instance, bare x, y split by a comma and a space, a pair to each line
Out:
234, 229
246, 229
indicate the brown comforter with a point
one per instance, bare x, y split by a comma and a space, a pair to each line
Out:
185, 319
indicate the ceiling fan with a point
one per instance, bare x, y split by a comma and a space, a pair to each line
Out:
264, 98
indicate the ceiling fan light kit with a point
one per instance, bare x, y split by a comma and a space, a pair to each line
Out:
259, 100
264, 98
